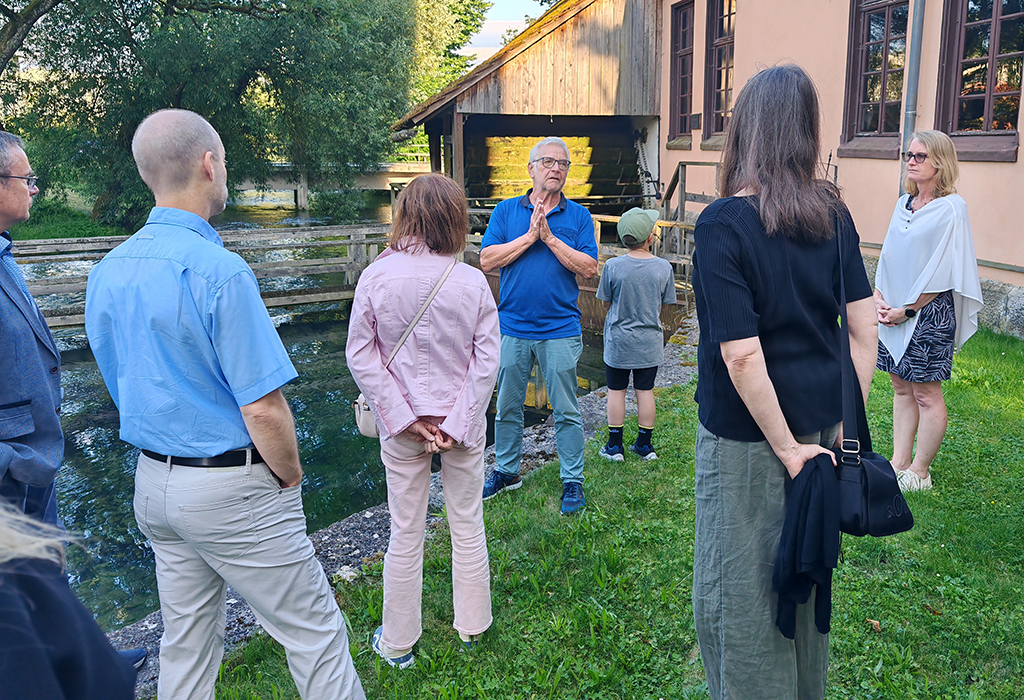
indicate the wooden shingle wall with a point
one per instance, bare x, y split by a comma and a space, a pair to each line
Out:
602, 62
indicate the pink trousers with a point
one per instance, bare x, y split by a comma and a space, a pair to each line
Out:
408, 476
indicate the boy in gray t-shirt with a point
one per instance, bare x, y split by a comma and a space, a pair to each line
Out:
633, 288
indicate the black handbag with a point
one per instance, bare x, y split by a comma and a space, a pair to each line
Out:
870, 500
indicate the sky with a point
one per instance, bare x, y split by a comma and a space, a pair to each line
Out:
503, 15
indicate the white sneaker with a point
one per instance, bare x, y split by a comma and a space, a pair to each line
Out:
909, 481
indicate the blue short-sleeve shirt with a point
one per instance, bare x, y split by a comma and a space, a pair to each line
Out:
182, 337
537, 298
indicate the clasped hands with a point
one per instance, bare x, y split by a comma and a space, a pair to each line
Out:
428, 434
887, 315
539, 229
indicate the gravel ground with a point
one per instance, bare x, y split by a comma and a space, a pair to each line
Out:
344, 547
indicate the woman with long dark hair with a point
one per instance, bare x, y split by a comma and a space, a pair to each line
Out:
766, 281
431, 398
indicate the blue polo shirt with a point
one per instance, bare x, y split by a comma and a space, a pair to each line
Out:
181, 337
537, 297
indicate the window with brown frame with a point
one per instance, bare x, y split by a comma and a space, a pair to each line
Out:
718, 79
681, 69
979, 93
874, 84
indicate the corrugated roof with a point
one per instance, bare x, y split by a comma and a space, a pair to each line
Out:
551, 20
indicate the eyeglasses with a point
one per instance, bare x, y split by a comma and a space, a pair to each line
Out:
549, 163
916, 157
30, 180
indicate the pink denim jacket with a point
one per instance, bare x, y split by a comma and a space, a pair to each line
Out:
448, 365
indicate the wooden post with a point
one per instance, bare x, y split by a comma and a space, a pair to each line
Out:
458, 150
434, 141
597, 233
682, 193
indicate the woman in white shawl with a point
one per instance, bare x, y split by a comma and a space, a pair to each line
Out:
927, 295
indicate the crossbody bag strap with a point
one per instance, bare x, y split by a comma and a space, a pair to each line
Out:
856, 437
419, 314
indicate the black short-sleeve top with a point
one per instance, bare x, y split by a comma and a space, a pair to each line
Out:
785, 292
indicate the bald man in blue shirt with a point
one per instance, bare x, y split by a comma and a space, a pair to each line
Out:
195, 367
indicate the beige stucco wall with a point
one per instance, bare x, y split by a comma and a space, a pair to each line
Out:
814, 34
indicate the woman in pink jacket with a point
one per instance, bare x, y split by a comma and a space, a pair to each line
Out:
433, 397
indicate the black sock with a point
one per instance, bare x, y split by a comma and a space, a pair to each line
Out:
615, 436
643, 436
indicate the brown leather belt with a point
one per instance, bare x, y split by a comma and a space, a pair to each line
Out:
235, 458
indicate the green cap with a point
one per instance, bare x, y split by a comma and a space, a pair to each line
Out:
636, 225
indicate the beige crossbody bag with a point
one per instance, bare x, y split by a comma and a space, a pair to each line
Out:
364, 416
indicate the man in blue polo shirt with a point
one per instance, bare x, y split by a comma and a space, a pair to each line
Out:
195, 367
540, 241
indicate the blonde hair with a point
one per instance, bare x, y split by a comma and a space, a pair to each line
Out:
942, 157
23, 537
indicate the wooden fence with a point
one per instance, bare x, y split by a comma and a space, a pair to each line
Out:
348, 249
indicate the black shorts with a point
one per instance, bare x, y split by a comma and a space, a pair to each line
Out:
643, 379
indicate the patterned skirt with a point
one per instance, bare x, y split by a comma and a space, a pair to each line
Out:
929, 357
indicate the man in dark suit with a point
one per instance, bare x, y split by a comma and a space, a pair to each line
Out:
31, 442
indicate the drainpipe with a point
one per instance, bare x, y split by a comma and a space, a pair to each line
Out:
913, 78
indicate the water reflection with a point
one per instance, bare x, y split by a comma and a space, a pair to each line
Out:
112, 570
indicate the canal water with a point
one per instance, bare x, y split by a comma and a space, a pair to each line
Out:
112, 568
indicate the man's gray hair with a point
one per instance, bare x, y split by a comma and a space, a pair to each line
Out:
547, 142
168, 146
8, 144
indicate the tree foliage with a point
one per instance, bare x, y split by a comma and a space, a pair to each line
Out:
317, 87
443, 27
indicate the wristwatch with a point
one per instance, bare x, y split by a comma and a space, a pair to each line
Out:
909, 312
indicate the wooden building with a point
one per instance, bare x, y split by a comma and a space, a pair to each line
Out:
588, 71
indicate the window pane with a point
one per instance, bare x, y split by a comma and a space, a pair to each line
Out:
897, 51
892, 118
876, 26
976, 41
898, 20
872, 88
974, 80
1004, 113
869, 118
1008, 74
1011, 36
873, 60
1012, 7
972, 115
728, 18
894, 87
978, 9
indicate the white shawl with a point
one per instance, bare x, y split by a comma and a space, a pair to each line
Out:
927, 252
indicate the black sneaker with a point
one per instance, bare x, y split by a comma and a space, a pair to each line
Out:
572, 497
612, 452
645, 452
499, 482
136, 657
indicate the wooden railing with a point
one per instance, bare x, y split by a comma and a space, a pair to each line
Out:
358, 245
678, 183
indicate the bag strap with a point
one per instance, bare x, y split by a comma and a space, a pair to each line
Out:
419, 314
856, 436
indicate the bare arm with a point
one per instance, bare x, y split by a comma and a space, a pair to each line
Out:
272, 429
744, 359
494, 257
575, 261
895, 316
860, 315
606, 304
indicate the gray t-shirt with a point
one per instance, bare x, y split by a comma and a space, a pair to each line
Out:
636, 289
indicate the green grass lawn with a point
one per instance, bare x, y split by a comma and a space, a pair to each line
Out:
599, 605
51, 219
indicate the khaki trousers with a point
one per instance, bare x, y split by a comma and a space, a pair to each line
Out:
408, 475
741, 506
211, 527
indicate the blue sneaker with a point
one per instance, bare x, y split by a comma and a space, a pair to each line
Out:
645, 452
613, 453
499, 482
396, 658
572, 497
136, 657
